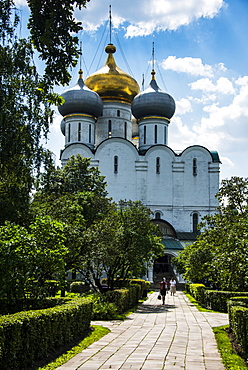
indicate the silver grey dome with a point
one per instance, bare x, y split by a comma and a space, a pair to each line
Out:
153, 102
80, 99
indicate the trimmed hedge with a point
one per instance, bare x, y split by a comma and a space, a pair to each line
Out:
145, 285
213, 299
31, 335
238, 320
124, 298
28, 304
197, 291
79, 287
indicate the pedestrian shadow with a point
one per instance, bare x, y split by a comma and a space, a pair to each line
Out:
155, 308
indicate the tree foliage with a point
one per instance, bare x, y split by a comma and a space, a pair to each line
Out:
28, 257
24, 117
53, 28
220, 254
103, 237
26, 96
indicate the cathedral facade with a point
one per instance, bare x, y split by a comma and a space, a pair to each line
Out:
125, 134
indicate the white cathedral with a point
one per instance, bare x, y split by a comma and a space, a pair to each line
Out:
125, 134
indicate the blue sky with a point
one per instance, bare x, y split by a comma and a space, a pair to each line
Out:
201, 59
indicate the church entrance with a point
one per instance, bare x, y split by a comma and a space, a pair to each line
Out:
162, 268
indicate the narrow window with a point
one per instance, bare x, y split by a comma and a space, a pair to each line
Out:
155, 134
89, 133
118, 113
144, 134
165, 136
109, 128
157, 215
115, 164
158, 165
125, 130
195, 222
79, 131
194, 167
69, 132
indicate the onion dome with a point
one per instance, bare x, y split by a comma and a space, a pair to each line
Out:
111, 83
153, 102
81, 100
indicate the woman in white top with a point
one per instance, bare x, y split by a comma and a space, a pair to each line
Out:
173, 284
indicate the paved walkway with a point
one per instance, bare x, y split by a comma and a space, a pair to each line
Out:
156, 337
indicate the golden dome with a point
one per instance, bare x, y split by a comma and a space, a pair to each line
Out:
111, 83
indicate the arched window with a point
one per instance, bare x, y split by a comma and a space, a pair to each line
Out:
144, 134
158, 165
157, 215
89, 133
155, 134
195, 222
69, 132
109, 128
125, 130
194, 167
118, 113
115, 164
79, 131
165, 136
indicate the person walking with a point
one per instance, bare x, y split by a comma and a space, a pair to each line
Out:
173, 284
163, 289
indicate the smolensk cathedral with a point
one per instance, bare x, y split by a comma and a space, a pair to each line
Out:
125, 134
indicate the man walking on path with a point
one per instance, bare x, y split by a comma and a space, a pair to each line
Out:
173, 336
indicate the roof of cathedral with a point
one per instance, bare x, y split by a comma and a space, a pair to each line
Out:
111, 83
182, 235
172, 244
81, 100
153, 102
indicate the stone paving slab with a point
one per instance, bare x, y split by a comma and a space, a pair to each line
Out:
173, 336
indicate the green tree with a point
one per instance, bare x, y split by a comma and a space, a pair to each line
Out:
24, 117
29, 257
75, 195
138, 243
53, 27
102, 237
220, 254
26, 96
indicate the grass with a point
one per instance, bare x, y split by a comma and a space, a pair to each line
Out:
95, 334
231, 360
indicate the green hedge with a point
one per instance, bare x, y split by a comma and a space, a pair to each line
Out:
28, 304
197, 291
124, 298
79, 287
213, 299
145, 285
29, 336
238, 319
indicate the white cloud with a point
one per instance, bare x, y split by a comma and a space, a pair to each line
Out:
223, 85
183, 106
189, 65
20, 2
143, 17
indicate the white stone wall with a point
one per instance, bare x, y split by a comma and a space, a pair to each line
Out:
175, 191
118, 122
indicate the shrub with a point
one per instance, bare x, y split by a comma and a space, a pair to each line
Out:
217, 300
238, 319
197, 291
212, 299
79, 287
29, 336
104, 310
